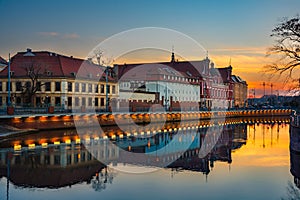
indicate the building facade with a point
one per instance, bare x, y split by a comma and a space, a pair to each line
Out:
240, 91
194, 84
45, 78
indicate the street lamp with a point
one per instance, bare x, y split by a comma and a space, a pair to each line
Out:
8, 82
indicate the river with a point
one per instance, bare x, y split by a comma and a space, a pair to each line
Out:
237, 159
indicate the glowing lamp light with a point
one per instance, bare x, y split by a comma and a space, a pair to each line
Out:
68, 141
57, 143
17, 147
31, 145
77, 140
44, 144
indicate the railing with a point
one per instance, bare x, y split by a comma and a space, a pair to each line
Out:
18, 110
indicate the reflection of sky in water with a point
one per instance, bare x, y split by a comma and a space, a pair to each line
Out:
259, 170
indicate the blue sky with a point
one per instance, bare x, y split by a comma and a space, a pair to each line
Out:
233, 28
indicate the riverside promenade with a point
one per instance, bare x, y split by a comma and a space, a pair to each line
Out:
11, 125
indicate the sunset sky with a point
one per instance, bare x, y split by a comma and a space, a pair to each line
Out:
232, 29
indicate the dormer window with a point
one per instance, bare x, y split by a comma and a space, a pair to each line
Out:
73, 74
49, 73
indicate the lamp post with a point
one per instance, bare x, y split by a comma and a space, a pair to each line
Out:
8, 82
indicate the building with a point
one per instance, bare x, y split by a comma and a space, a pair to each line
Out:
44, 78
180, 84
240, 91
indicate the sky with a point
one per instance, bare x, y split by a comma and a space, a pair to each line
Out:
229, 30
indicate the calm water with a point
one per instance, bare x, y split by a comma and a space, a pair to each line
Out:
241, 159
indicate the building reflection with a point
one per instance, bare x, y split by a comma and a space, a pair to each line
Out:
66, 164
295, 154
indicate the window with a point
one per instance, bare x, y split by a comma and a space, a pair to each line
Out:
48, 86
0, 86
96, 88
57, 101
69, 101
70, 87
102, 102
47, 100
96, 102
102, 88
114, 89
76, 101
83, 101
90, 88
76, 87
57, 86
83, 87
108, 89
18, 86
38, 86
18, 100
38, 101
1, 102
90, 101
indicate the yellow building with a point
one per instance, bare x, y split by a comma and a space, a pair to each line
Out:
43, 78
240, 91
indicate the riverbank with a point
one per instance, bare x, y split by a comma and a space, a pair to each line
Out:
11, 125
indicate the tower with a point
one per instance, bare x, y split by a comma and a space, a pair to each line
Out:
173, 55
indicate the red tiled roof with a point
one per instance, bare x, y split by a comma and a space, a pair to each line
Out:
226, 73
57, 65
188, 69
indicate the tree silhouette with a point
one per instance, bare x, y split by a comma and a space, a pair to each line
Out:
286, 49
34, 72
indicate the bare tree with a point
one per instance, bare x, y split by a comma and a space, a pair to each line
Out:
34, 72
286, 49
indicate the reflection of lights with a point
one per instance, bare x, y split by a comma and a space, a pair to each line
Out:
129, 148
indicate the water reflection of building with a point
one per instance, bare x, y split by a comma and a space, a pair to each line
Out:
176, 153
295, 154
57, 166
65, 165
